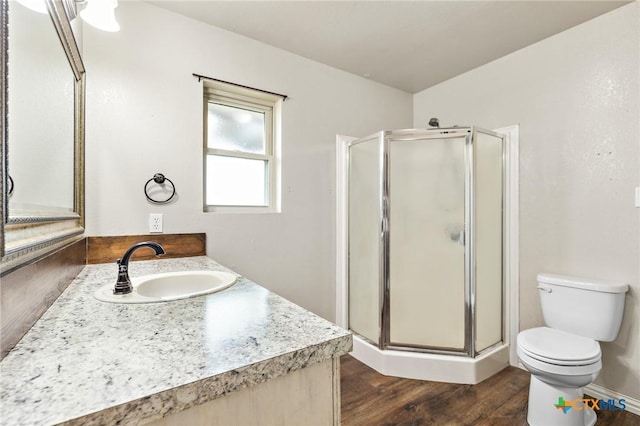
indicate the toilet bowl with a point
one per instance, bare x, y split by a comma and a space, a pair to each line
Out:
560, 364
558, 357
565, 356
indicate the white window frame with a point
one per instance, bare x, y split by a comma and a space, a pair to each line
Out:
253, 100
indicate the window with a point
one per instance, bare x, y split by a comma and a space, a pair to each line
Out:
240, 148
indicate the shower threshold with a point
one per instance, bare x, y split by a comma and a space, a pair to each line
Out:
432, 367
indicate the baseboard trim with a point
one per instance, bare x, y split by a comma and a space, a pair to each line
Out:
600, 392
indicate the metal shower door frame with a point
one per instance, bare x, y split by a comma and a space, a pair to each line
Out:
384, 140
385, 284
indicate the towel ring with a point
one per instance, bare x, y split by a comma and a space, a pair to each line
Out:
10, 189
160, 179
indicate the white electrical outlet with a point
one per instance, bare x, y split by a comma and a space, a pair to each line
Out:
155, 223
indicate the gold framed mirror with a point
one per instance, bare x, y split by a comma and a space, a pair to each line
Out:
42, 167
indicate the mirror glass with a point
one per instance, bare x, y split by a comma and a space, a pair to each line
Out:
42, 96
40, 116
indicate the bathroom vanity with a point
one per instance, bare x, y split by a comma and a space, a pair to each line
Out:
240, 356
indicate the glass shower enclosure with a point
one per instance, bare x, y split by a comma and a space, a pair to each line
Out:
425, 239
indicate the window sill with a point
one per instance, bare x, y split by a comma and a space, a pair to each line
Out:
241, 209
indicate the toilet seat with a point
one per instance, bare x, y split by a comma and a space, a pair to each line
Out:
547, 369
557, 352
557, 347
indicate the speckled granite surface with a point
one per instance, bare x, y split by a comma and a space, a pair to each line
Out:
94, 363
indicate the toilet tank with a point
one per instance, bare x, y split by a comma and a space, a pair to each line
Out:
588, 307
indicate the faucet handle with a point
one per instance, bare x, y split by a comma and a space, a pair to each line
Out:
122, 267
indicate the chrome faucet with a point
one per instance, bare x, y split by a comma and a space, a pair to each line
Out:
123, 286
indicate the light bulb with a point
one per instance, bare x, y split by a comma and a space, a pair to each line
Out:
101, 14
39, 6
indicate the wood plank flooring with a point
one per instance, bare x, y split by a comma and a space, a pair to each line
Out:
371, 399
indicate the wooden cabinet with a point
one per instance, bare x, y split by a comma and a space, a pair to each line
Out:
305, 397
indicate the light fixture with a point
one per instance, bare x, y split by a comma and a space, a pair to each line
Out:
39, 6
101, 14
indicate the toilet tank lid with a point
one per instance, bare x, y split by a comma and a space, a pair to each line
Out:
583, 283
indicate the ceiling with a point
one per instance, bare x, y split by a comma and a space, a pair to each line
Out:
409, 45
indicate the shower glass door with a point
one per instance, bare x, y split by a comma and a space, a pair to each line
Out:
488, 179
425, 255
427, 242
365, 165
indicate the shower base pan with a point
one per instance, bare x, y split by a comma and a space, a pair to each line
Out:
432, 367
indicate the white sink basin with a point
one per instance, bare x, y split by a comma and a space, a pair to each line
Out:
168, 286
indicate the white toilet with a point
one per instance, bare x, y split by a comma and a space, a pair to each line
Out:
565, 356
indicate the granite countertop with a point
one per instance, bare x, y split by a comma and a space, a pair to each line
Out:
90, 362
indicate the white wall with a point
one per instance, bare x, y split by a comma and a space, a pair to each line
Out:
575, 96
144, 115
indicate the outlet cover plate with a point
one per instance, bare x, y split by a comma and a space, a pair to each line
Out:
155, 223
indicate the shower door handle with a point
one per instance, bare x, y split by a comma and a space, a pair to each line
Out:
458, 236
